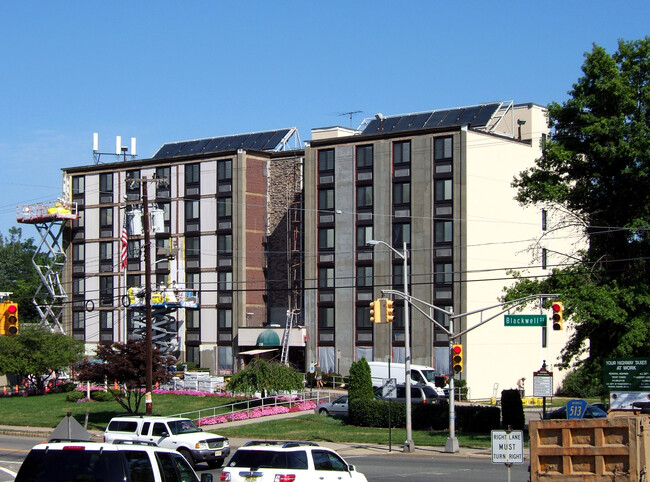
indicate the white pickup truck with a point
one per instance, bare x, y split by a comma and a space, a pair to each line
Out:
178, 434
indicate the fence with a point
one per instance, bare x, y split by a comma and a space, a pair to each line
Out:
247, 406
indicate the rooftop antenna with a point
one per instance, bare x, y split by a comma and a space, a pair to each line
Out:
120, 150
350, 114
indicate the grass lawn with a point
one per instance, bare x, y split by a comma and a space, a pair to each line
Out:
48, 410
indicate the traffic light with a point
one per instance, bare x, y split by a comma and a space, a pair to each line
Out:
558, 315
389, 314
8, 318
457, 358
375, 311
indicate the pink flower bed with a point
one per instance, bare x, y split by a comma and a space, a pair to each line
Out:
257, 412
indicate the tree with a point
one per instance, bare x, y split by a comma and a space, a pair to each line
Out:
360, 392
262, 376
17, 272
125, 363
595, 169
36, 353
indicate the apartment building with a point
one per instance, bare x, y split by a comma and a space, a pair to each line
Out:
439, 181
226, 217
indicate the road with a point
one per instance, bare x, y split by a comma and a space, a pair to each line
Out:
376, 467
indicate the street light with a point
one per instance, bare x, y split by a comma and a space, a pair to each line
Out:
408, 444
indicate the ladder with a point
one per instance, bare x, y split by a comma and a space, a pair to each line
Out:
284, 357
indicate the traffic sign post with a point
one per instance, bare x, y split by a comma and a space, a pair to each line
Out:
508, 447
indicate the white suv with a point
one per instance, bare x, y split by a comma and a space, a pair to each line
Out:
287, 462
178, 434
96, 462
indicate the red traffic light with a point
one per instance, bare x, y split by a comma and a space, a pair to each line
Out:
12, 309
457, 349
557, 306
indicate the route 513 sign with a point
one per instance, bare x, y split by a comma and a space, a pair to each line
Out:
575, 409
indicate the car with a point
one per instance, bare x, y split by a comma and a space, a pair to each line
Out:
95, 462
337, 407
272, 461
592, 411
420, 394
177, 433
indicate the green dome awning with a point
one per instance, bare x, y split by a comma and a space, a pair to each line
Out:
268, 338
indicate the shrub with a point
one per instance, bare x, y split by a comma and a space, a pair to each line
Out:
583, 383
512, 410
74, 396
67, 387
100, 396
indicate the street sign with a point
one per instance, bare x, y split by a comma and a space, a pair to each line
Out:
575, 409
524, 320
627, 374
507, 447
543, 383
389, 388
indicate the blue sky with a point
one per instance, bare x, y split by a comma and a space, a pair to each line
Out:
168, 71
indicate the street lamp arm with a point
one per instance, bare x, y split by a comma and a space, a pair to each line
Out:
374, 242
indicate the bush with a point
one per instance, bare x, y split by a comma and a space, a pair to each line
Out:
512, 410
583, 383
67, 387
74, 396
100, 396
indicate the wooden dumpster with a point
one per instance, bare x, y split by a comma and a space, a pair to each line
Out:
591, 449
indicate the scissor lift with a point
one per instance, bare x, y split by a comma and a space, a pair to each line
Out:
49, 259
164, 332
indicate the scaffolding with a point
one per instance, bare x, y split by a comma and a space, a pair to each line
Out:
164, 302
49, 218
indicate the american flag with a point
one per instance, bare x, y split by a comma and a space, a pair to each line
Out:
125, 245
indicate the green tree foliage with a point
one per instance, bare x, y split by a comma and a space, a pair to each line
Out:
264, 377
125, 363
596, 169
360, 393
17, 273
36, 354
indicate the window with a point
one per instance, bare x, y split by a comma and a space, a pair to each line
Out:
193, 281
224, 170
543, 219
443, 273
224, 207
106, 217
442, 188
132, 188
78, 252
78, 185
162, 188
224, 243
106, 290
326, 199
106, 320
133, 248
544, 256
192, 319
326, 238
106, 251
443, 232
191, 209
326, 160
401, 234
364, 276
192, 173
364, 156
443, 148
78, 320
78, 286
363, 317
224, 280
326, 317
364, 196
326, 277
192, 246
79, 222
192, 355
224, 319
402, 152
364, 234
106, 185
402, 193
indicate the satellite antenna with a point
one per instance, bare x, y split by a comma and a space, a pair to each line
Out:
120, 150
350, 114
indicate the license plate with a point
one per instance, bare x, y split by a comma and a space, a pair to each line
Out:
252, 479
217, 453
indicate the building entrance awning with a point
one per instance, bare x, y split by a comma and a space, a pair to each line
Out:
256, 352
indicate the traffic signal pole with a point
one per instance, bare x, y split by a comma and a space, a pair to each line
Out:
451, 446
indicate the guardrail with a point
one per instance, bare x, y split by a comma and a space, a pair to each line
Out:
247, 406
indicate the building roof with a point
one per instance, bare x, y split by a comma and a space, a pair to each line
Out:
261, 141
477, 116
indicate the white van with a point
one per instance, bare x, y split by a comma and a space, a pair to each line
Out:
420, 375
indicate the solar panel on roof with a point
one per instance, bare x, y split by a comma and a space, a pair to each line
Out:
468, 115
419, 121
435, 119
273, 142
388, 124
250, 141
485, 114
261, 141
403, 123
451, 118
